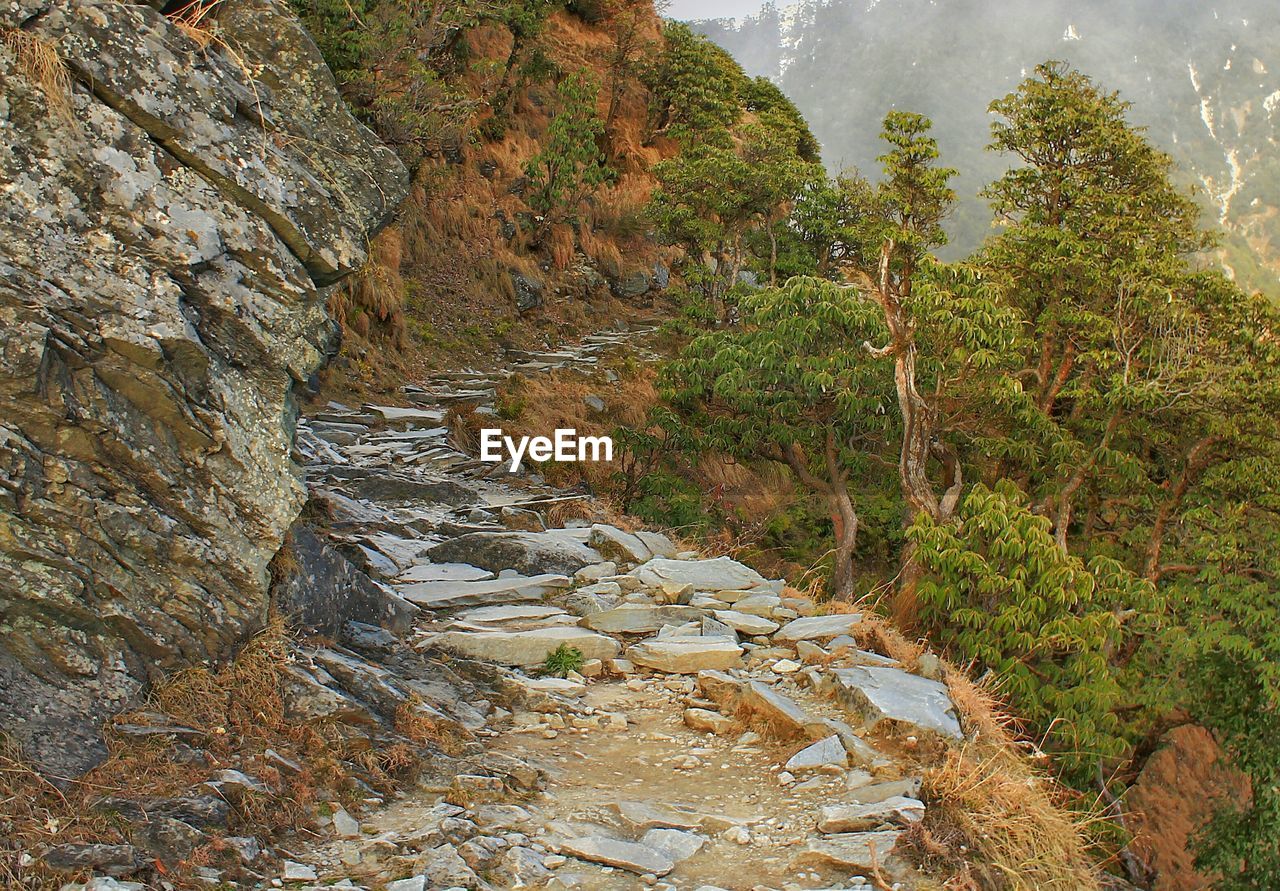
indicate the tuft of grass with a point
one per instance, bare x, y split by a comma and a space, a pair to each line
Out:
562, 660
992, 819
197, 20
40, 62
417, 722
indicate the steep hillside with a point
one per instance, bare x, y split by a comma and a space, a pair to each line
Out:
491, 251
1204, 78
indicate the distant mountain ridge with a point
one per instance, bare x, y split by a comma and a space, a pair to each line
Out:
1203, 77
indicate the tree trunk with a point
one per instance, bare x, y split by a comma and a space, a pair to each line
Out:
846, 527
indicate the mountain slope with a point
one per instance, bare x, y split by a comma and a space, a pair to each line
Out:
1204, 78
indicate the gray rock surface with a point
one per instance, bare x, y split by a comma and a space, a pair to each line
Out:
825, 756
854, 851
878, 693
527, 648
717, 574
840, 818
686, 655
527, 552
626, 855
161, 261
818, 627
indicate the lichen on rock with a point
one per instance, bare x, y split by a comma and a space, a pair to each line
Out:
163, 276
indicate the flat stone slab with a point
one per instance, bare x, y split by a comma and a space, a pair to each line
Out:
488, 615
445, 572
625, 855
615, 544
448, 595
638, 618
553, 551
780, 712
718, 574
645, 815
842, 818
746, 623
675, 844
881, 693
760, 605
818, 627
705, 721
526, 648
657, 543
686, 655
825, 756
852, 851
397, 413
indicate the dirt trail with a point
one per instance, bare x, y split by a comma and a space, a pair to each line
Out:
653, 767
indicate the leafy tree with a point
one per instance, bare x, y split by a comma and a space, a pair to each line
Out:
570, 163
695, 87
791, 384
712, 197
1149, 428
762, 96
779, 176
625, 22
704, 203
910, 205
1095, 246
999, 592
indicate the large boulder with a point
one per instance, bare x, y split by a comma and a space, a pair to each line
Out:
718, 574
162, 252
880, 693
529, 552
325, 590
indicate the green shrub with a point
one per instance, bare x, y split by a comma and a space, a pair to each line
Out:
1001, 593
560, 661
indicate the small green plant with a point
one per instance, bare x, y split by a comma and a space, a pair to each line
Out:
570, 164
562, 660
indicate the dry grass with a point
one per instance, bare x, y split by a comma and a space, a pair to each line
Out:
415, 721
40, 62
239, 712
372, 301
996, 825
197, 20
992, 820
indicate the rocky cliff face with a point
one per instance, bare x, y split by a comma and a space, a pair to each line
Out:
165, 246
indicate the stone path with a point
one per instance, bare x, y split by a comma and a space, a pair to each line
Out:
716, 734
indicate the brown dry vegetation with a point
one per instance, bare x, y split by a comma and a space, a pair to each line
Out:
437, 289
39, 61
993, 820
238, 712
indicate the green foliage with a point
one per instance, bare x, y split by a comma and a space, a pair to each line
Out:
1002, 594
792, 384
762, 96
713, 198
916, 192
695, 87
560, 661
570, 163
391, 61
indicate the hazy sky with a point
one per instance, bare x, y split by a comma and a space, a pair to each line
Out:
712, 9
